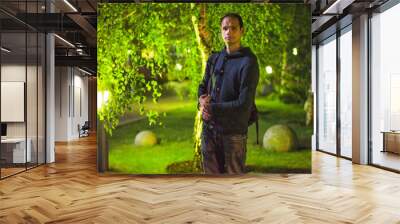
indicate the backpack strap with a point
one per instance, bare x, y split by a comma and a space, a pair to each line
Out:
212, 70
257, 130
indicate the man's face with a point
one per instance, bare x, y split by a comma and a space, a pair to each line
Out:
231, 31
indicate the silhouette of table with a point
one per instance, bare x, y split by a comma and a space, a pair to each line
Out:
391, 141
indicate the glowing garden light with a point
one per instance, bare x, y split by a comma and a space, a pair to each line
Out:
294, 51
178, 66
102, 98
268, 69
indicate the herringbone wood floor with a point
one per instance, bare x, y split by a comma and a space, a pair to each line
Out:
71, 191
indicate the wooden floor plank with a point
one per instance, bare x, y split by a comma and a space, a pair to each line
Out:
71, 191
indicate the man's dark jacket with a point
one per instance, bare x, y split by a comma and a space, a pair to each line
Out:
236, 77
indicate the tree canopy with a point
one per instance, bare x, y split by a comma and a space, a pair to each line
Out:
142, 46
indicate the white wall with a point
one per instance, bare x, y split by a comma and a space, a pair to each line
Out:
62, 81
80, 109
13, 73
71, 102
34, 124
10, 73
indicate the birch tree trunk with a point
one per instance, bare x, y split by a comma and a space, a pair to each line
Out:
203, 40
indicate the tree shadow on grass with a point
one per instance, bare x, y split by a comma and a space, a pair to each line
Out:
186, 167
183, 167
274, 169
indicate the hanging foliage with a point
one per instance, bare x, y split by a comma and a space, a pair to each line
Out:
142, 46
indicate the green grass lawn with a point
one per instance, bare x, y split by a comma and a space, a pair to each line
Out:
176, 141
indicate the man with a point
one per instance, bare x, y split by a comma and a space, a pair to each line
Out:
226, 97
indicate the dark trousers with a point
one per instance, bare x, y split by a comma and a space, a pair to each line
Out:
223, 153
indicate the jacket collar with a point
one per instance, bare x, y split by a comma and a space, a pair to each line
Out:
224, 56
241, 52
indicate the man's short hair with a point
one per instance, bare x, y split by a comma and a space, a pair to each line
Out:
233, 15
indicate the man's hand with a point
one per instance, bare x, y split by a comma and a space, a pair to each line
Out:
207, 112
203, 100
205, 106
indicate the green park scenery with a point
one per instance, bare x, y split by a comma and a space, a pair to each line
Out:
151, 58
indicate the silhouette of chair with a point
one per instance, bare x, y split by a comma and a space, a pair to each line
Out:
84, 130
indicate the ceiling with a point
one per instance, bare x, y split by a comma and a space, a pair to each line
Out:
73, 21
330, 15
